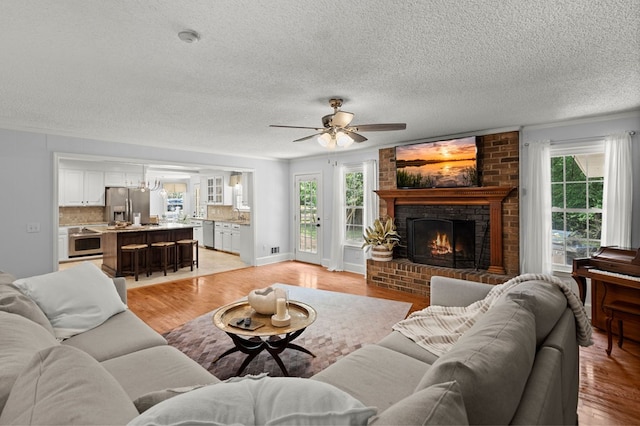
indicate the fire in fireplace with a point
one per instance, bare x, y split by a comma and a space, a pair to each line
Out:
439, 242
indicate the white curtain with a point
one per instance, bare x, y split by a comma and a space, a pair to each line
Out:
536, 253
618, 191
371, 203
336, 262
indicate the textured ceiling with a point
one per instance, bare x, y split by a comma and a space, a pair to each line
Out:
116, 70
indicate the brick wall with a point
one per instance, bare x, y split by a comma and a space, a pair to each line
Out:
498, 165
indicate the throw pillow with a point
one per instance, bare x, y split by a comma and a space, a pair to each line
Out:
75, 299
13, 301
267, 401
440, 404
62, 385
20, 339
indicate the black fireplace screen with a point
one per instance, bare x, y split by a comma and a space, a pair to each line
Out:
438, 242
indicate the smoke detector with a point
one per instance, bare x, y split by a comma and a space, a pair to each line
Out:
189, 36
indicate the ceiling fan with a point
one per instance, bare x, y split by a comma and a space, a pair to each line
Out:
338, 131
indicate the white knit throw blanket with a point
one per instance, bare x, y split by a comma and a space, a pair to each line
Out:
437, 328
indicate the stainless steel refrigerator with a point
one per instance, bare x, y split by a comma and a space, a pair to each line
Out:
122, 203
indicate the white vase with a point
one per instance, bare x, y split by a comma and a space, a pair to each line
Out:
263, 301
381, 254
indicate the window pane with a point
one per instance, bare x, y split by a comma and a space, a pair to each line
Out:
577, 195
557, 169
557, 195
557, 221
574, 172
595, 194
576, 226
595, 226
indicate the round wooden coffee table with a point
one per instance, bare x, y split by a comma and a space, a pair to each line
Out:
265, 337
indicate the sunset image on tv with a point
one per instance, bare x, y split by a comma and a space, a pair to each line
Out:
442, 164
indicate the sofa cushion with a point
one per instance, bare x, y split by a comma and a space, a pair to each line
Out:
75, 299
6, 278
546, 301
155, 369
375, 375
14, 301
121, 334
20, 339
491, 362
398, 342
440, 404
266, 401
64, 386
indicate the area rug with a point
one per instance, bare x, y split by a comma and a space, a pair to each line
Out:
345, 323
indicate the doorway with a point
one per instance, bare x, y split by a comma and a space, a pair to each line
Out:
307, 205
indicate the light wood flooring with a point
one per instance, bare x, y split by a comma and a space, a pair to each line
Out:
609, 386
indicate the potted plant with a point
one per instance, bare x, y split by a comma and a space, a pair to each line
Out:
382, 238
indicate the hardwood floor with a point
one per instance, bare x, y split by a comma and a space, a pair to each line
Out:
609, 386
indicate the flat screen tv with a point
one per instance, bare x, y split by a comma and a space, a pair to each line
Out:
441, 164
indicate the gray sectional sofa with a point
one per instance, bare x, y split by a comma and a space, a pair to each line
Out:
518, 364
94, 377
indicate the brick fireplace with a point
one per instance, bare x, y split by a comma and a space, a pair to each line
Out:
494, 207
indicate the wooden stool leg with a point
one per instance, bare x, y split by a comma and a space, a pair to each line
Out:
620, 333
165, 249
609, 338
197, 256
175, 258
136, 259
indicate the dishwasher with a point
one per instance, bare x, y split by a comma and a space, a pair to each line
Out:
208, 233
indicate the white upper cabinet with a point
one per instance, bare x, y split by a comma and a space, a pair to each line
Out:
81, 188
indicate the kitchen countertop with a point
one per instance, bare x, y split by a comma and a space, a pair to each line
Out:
142, 228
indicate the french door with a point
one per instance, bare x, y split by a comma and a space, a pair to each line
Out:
308, 229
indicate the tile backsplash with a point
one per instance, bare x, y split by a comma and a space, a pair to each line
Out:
80, 215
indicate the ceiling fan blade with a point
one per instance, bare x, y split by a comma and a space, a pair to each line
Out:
355, 136
295, 127
341, 118
308, 137
378, 127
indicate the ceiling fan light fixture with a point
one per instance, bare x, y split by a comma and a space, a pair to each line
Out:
325, 140
343, 140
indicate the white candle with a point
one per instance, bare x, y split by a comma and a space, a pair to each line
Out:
281, 308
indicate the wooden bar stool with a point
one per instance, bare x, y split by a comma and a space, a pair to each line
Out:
620, 310
164, 247
134, 250
185, 246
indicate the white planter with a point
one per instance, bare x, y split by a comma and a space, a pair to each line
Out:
381, 254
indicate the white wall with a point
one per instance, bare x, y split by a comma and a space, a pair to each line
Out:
29, 185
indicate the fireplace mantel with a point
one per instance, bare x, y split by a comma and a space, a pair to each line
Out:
493, 196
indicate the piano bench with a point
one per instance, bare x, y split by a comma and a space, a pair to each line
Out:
620, 310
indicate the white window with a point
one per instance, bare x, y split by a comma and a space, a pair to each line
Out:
353, 204
576, 203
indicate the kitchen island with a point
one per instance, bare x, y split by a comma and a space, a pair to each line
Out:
113, 263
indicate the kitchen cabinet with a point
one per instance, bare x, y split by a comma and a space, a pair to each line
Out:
215, 190
235, 238
122, 179
217, 240
198, 232
63, 244
81, 188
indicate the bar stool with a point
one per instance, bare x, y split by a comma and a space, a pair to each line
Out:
164, 247
620, 310
183, 246
134, 251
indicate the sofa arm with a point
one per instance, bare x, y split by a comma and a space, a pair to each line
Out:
455, 292
121, 287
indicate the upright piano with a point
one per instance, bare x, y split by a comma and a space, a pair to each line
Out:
615, 275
